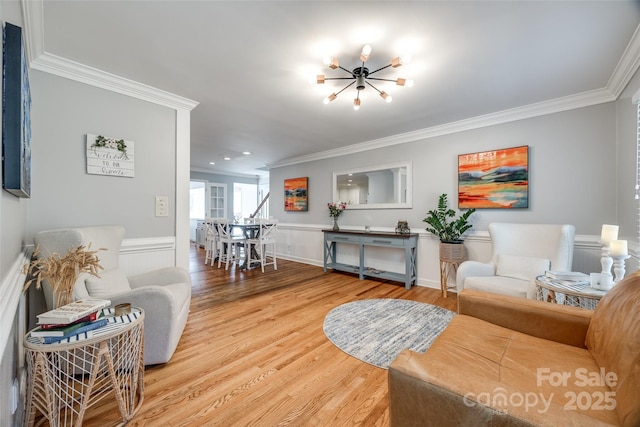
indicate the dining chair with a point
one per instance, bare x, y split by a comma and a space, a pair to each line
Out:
229, 245
266, 237
211, 243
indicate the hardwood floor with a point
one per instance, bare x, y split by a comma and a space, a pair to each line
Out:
253, 353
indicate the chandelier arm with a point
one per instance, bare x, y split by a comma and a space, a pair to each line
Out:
380, 69
342, 90
379, 91
383, 80
344, 69
338, 78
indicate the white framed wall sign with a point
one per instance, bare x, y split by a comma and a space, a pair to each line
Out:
110, 156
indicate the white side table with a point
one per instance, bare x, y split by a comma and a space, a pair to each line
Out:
65, 379
575, 294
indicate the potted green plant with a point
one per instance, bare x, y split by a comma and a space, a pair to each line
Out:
444, 224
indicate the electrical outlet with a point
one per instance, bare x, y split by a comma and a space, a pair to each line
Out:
162, 206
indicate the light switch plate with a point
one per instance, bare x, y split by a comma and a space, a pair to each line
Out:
162, 206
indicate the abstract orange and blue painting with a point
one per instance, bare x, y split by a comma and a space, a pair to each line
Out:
494, 179
296, 194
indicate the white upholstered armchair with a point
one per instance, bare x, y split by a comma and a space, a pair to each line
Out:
164, 294
520, 252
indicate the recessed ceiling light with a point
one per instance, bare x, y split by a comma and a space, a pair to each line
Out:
212, 163
227, 158
246, 153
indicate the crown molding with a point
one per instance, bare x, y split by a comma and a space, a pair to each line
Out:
218, 172
39, 59
622, 74
33, 15
627, 66
584, 99
62, 67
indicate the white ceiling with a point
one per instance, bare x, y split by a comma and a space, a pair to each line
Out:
248, 64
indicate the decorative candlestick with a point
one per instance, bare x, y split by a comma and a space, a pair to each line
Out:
619, 267
608, 234
605, 260
619, 252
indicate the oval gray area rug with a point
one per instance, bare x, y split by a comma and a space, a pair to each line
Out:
377, 330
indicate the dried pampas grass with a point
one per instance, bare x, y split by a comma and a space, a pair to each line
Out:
62, 271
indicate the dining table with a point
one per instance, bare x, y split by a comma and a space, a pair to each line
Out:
248, 230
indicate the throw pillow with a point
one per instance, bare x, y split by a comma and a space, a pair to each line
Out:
521, 267
109, 283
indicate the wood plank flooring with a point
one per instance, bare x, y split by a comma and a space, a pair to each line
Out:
253, 353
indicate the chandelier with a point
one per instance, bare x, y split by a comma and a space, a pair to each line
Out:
361, 76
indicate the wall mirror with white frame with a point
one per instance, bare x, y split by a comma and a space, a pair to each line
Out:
386, 186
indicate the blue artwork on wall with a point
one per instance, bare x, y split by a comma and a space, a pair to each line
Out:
16, 120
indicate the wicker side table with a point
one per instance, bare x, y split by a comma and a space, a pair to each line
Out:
451, 255
66, 379
575, 294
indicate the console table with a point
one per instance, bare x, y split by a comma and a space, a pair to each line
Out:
406, 242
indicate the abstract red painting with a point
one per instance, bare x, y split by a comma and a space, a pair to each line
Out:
494, 179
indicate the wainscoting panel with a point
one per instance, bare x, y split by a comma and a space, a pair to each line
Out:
11, 299
147, 254
304, 243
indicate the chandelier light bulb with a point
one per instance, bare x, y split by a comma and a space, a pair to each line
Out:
366, 51
356, 104
320, 79
331, 62
386, 96
330, 98
404, 82
400, 60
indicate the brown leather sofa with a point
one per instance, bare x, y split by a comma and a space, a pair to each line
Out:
506, 361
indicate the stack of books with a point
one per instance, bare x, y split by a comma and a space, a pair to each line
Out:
71, 322
574, 276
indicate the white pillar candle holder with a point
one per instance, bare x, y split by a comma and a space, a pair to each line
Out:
609, 232
605, 260
619, 267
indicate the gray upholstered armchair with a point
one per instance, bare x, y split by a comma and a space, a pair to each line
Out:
164, 294
520, 252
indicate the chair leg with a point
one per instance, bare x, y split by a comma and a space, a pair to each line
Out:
222, 248
275, 261
215, 251
230, 249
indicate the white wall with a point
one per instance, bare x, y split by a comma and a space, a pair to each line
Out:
63, 194
572, 179
572, 171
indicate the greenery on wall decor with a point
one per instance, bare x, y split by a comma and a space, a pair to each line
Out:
443, 225
118, 144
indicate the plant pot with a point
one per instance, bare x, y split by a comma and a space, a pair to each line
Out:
336, 227
452, 251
